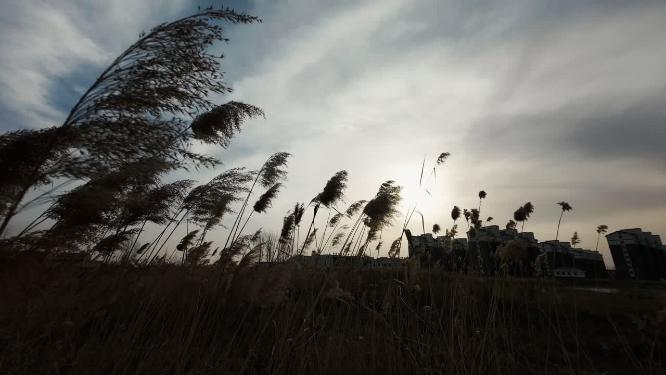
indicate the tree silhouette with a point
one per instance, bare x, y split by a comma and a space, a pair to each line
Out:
565, 207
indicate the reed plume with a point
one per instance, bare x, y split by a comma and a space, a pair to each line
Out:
455, 213
565, 207
197, 256
519, 215
332, 193
337, 238
394, 250
355, 207
135, 109
335, 219
206, 204
265, 200
528, 210
474, 218
299, 211
222, 122
109, 244
333, 190
262, 204
575, 239
285, 242
271, 172
187, 241
482, 196
442, 157
382, 209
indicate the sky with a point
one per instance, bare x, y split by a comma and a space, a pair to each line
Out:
538, 101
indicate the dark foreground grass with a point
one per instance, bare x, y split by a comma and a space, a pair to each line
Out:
288, 319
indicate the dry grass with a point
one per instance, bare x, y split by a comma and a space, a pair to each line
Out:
288, 319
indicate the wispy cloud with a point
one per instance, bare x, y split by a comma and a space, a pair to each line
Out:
43, 42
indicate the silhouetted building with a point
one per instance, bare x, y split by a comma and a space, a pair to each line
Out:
559, 259
591, 262
483, 243
492, 249
439, 251
331, 260
346, 261
384, 263
569, 273
637, 255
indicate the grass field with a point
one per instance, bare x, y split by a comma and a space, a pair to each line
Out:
290, 319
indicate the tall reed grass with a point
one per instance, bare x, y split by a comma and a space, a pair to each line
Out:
292, 319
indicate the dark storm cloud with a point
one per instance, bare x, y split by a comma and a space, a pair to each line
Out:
613, 129
638, 131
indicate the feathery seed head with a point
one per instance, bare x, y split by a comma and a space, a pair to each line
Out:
334, 189
264, 201
455, 213
442, 157
565, 206
273, 169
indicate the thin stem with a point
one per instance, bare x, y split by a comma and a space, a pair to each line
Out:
314, 215
356, 248
28, 203
558, 225
240, 232
323, 235
242, 210
170, 234
153, 245
136, 239
323, 246
35, 222
352, 232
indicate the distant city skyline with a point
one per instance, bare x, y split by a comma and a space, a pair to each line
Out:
536, 101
